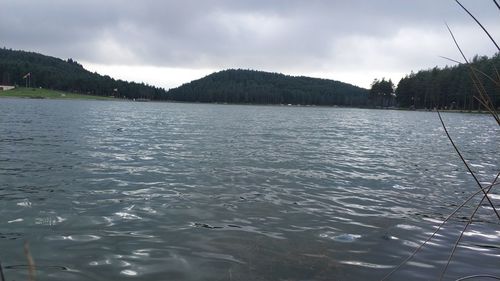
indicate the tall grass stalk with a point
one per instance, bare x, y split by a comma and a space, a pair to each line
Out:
440, 226
31, 262
2, 277
469, 222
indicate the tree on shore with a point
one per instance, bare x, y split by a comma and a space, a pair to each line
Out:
381, 92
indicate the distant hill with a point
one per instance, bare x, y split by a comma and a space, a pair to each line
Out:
57, 74
228, 86
258, 87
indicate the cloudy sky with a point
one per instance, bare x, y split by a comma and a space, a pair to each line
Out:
171, 42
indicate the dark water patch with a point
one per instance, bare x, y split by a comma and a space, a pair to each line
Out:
36, 267
206, 225
15, 139
11, 235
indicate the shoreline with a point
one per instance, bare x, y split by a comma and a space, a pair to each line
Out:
40, 93
37, 93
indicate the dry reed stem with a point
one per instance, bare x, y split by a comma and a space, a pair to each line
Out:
485, 100
483, 94
31, 262
492, 40
478, 276
484, 29
2, 277
456, 43
496, 3
465, 228
412, 255
467, 165
475, 79
477, 70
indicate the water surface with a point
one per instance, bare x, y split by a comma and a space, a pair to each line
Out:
163, 191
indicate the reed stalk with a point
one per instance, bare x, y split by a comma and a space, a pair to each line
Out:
440, 226
2, 277
484, 99
31, 262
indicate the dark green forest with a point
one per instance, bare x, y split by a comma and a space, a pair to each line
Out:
229, 86
258, 87
449, 87
57, 74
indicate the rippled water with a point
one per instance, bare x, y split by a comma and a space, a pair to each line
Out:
161, 191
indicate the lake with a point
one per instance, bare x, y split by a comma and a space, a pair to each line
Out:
167, 191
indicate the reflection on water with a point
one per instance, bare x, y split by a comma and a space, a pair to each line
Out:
157, 191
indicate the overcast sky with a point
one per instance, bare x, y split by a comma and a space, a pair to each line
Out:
168, 43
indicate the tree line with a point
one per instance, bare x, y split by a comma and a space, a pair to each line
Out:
450, 87
57, 74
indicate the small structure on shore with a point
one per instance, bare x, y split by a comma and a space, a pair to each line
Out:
6, 88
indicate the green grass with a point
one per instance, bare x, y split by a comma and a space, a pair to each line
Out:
33, 93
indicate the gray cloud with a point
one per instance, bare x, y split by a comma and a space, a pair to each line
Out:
295, 35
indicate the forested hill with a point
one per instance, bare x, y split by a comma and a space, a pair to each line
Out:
53, 73
258, 87
450, 87
228, 86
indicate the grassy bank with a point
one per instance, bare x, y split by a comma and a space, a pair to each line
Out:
33, 93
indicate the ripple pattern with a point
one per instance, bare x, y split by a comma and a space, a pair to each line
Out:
155, 191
